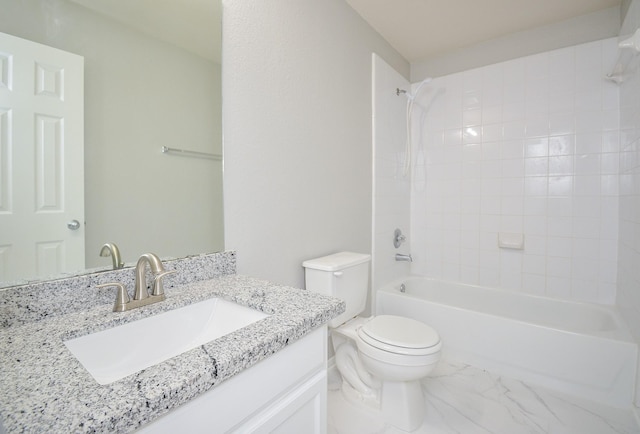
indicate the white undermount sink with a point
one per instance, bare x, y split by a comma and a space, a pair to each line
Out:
114, 353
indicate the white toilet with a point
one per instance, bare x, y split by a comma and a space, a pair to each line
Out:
381, 358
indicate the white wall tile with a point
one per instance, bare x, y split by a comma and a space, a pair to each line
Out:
561, 145
587, 290
536, 245
535, 225
562, 165
535, 186
562, 62
489, 277
512, 183
587, 164
469, 275
512, 148
562, 123
534, 264
586, 185
536, 66
560, 185
558, 287
491, 114
536, 166
588, 121
536, 145
534, 283
514, 111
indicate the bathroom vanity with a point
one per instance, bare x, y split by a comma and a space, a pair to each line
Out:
267, 376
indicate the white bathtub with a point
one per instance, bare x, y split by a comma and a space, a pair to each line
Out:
577, 348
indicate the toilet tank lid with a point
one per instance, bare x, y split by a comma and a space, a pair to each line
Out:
337, 261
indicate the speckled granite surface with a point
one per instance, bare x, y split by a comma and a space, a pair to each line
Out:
45, 389
40, 300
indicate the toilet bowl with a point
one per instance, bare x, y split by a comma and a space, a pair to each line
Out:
397, 348
381, 358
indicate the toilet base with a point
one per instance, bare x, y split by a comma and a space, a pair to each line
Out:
399, 404
370, 401
402, 404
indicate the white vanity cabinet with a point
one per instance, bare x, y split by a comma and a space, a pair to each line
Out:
284, 393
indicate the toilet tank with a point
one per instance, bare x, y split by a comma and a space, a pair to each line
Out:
343, 275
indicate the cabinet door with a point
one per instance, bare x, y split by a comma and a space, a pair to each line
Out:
284, 390
302, 411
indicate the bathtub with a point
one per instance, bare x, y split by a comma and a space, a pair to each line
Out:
577, 348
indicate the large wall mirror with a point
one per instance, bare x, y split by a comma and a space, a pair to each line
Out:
152, 79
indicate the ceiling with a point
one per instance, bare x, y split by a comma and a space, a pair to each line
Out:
423, 29
194, 25
417, 29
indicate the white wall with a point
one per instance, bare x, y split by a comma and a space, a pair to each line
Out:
297, 132
628, 296
524, 146
391, 185
140, 94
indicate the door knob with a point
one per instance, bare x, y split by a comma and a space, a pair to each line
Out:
74, 225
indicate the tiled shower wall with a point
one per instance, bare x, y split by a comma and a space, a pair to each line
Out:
528, 146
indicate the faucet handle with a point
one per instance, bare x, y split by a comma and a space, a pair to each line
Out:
122, 296
157, 283
398, 238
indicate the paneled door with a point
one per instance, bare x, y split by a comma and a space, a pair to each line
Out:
41, 160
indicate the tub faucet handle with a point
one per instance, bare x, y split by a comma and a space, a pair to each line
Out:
398, 238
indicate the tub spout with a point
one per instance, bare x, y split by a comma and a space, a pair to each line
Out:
403, 258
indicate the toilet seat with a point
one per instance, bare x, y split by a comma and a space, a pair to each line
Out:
399, 335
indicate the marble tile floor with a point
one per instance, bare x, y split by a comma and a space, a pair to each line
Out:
467, 400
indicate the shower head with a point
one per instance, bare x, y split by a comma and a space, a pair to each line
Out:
422, 83
412, 96
411, 101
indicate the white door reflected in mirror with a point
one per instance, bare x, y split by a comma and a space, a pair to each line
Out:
41, 159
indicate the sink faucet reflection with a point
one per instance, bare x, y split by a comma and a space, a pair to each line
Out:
110, 249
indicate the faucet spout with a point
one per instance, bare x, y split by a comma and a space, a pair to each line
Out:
110, 249
403, 258
141, 295
156, 266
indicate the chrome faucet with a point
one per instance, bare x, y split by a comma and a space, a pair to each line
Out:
140, 292
403, 258
110, 249
141, 296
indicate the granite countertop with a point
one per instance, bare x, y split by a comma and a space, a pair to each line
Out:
45, 389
